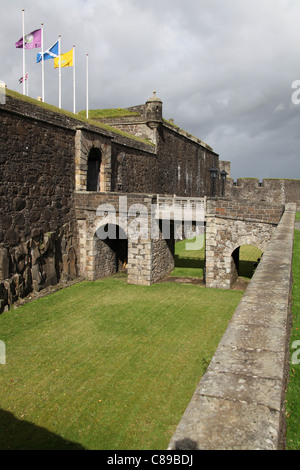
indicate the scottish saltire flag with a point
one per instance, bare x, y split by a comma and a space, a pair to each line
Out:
32, 40
50, 53
64, 60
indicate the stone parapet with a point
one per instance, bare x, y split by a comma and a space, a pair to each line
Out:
239, 402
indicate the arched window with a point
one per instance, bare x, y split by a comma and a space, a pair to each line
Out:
93, 170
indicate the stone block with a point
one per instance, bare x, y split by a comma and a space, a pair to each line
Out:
218, 424
4, 263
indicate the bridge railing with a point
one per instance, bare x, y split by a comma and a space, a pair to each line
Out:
180, 208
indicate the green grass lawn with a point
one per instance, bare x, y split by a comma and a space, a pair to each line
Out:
106, 365
248, 255
189, 258
292, 396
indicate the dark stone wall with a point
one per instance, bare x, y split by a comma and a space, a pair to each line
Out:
37, 216
180, 166
183, 165
133, 171
38, 177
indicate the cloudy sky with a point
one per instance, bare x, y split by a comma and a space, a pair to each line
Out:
223, 69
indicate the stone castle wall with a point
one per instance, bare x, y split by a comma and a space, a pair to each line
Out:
283, 191
179, 167
44, 160
180, 164
37, 217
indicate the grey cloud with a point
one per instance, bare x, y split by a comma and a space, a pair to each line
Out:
223, 69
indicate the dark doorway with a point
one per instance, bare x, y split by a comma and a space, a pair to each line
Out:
111, 253
93, 171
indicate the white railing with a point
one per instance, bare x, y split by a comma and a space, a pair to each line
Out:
180, 208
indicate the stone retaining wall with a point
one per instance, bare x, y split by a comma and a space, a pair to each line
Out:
239, 402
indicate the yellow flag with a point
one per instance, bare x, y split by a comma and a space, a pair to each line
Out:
66, 60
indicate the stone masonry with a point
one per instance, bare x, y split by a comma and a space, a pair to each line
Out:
44, 164
229, 225
148, 258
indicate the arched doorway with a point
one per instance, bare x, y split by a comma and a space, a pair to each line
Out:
93, 170
244, 260
111, 251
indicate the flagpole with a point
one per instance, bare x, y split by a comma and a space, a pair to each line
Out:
23, 21
74, 81
87, 86
59, 72
27, 83
43, 64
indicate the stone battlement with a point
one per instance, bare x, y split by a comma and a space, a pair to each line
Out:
283, 191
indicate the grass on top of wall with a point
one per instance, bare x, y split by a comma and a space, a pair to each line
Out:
105, 364
108, 113
292, 396
79, 116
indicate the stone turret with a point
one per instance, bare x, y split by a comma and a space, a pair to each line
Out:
153, 112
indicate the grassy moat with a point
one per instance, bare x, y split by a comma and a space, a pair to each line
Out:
108, 365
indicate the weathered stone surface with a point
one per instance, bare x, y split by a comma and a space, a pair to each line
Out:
36, 264
4, 263
229, 425
229, 225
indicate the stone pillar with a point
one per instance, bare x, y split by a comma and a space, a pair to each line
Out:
139, 262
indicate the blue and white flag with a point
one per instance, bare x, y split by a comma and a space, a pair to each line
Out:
50, 53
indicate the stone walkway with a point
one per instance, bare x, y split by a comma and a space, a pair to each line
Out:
239, 402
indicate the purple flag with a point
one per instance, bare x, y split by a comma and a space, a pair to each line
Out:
32, 40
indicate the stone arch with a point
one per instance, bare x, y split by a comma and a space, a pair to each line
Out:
255, 237
223, 237
241, 267
111, 253
89, 144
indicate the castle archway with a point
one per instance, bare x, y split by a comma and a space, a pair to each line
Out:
224, 237
110, 251
92, 162
244, 260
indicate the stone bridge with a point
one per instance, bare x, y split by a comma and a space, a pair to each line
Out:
138, 231
229, 225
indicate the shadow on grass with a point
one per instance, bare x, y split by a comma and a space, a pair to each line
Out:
188, 262
246, 268
17, 434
